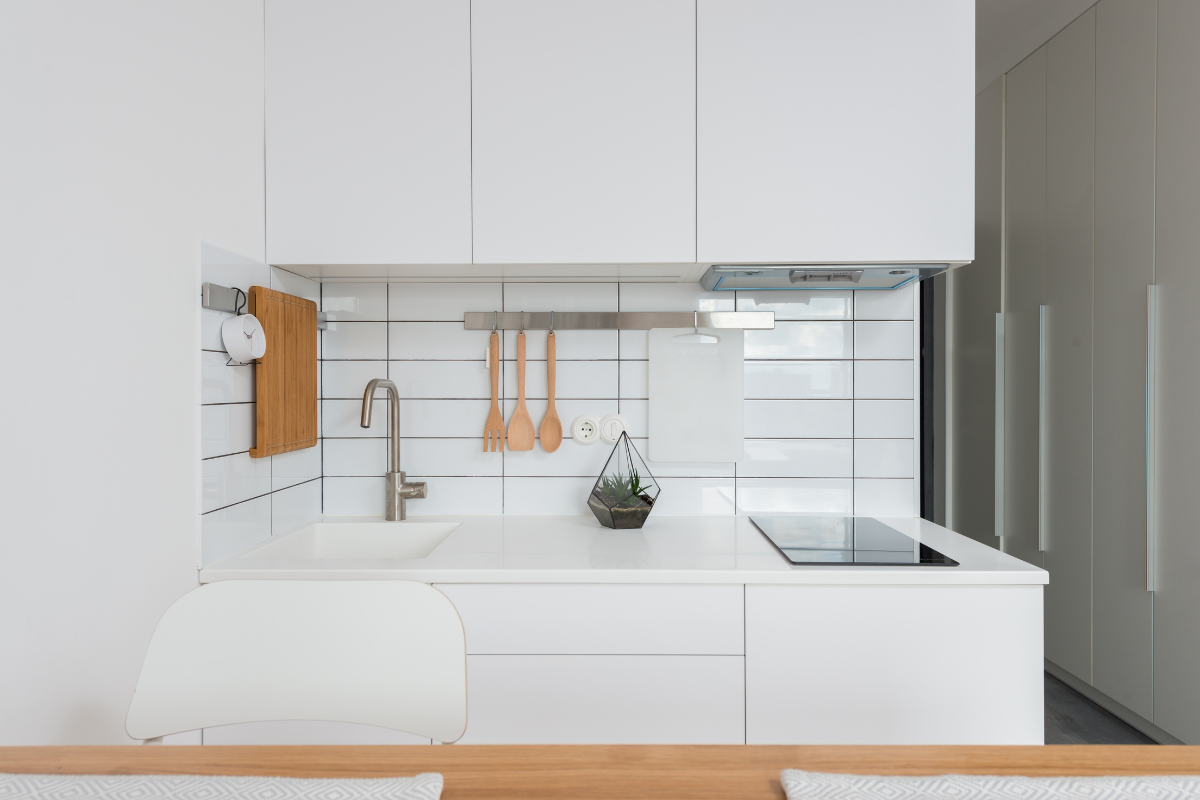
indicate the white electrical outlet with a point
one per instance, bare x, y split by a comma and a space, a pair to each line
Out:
585, 429
611, 428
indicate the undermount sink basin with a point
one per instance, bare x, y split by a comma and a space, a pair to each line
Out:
359, 540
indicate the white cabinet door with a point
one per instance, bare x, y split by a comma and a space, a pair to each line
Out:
605, 700
894, 665
368, 131
584, 131
835, 131
599, 619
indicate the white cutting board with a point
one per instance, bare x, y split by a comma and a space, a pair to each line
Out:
696, 395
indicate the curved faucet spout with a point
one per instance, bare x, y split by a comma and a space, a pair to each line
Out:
394, 407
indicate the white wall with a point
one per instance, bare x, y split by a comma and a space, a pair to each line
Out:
131, 131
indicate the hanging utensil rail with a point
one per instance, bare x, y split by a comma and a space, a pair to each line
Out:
617, 320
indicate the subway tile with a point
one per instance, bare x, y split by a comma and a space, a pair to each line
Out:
221, 382
674, 469
294, 507
354, 301
884, 380
444, 418
542, 496
570, 460
355, 340
799, 419
297, 466
635, 380
459, 496
297, 285
798, 304
355, 457
797, 458
637, 417
232, 479
429, 302
437, 341
635, 344
226, 429
794, 496
560, 297
799, 380
567, 411
441, 379
672, 297
354, 496
884, 458
342, 418
449, 457
884, 498
573, 379
883, 340
234, 528
681, 497
824, 340
884, 419
890, 304
348, 379
568, 345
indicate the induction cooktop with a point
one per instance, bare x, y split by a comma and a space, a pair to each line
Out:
858, 541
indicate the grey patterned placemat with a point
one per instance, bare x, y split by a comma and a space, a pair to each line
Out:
426, 786
801, 785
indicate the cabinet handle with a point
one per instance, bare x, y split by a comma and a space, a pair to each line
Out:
1043, 424
1151, 449
1000, 423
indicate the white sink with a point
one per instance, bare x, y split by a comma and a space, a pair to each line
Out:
359, 540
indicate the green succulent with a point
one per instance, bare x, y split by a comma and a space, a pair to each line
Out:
620, 486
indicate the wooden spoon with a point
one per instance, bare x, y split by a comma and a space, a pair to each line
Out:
551, 431
520, 427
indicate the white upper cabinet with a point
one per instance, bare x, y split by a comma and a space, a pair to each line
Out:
584, 131
835, 130
368, 131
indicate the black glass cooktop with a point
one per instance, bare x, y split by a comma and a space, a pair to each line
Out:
862, 541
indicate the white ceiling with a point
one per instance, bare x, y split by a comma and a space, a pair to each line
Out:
1006, 31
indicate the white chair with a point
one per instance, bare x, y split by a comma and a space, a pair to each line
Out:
386, 653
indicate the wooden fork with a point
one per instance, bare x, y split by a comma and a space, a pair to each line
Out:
493, 429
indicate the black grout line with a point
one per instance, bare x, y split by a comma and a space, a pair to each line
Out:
261, 496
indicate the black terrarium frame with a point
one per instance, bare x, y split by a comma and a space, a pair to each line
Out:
625, 492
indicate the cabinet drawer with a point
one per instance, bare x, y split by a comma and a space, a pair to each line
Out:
599, 619
605, 700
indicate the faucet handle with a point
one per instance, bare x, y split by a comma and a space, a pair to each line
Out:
414, 491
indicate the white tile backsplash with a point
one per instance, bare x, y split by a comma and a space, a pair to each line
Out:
884, 340
825, 432
355, 340
799, 380
825, 340
428, 302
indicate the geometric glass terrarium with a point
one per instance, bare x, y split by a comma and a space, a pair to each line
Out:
625, 492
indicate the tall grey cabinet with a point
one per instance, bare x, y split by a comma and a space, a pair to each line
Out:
1101, 481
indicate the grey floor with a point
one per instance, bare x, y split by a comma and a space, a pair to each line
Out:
1073, 719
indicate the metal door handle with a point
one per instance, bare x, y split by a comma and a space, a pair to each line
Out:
1151, 448
1043, 425
1000, 423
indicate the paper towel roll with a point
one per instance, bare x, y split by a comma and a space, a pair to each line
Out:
244, 338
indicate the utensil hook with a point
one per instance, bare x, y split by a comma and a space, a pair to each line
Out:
696, 322
495, 320
551, 322
521, 332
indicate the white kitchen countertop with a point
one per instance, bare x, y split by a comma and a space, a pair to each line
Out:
576, 549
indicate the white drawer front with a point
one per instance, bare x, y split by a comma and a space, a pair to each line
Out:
605, 700
600, 619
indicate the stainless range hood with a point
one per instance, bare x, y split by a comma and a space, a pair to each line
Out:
727, 278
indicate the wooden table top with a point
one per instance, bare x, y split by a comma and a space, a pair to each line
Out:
584, 772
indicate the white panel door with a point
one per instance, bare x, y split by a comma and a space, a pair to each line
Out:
894, 665
605, 700
835, 131
368, 131
584, 131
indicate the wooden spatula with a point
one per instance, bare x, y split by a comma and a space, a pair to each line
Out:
551, 431
493, 429
520, 427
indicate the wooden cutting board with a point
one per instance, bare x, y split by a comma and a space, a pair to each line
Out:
696, 395
286, 375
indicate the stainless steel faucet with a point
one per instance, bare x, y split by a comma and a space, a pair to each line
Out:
398, 491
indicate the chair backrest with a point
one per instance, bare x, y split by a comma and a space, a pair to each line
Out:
386, 653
